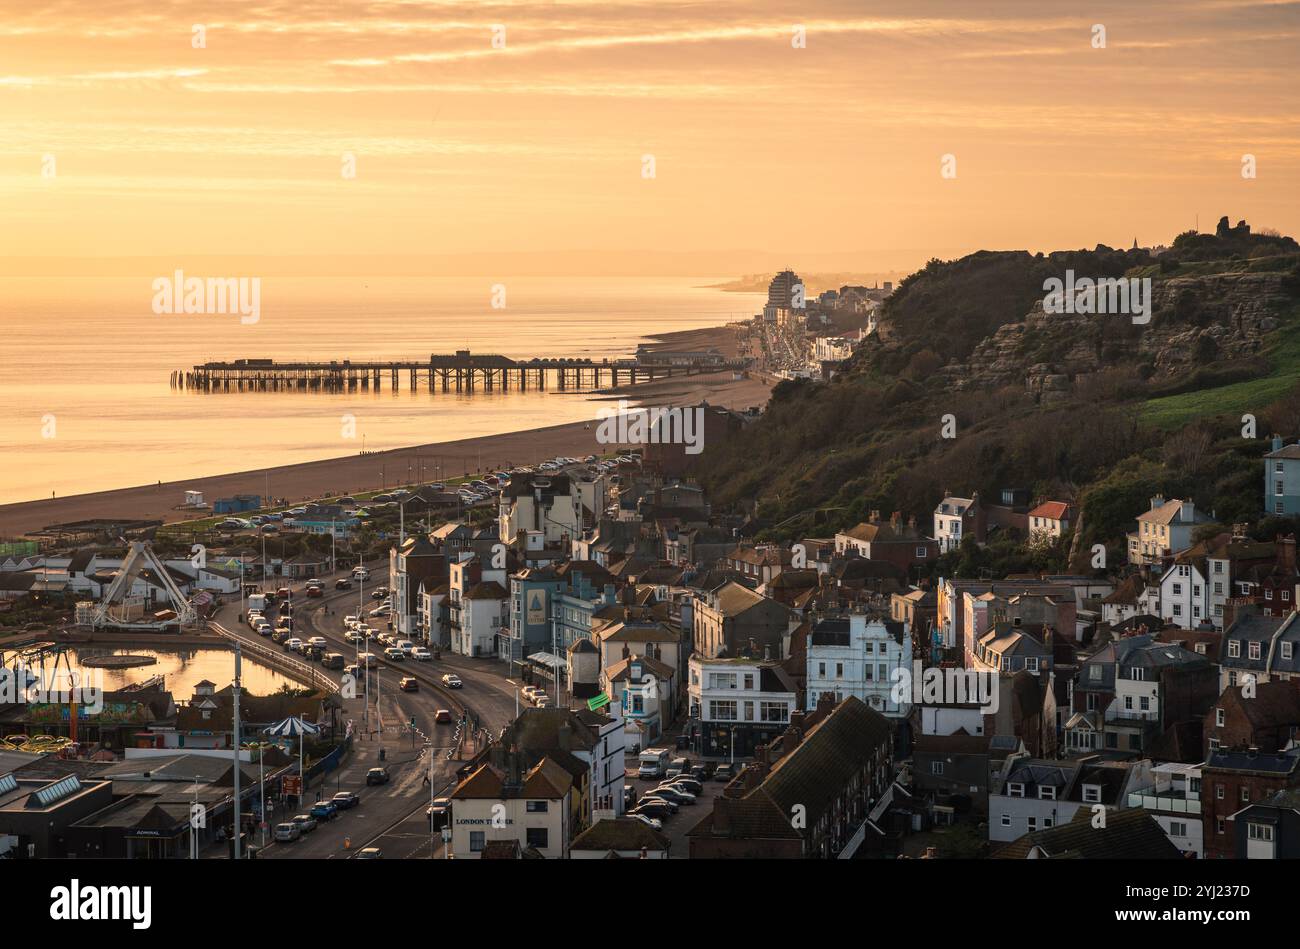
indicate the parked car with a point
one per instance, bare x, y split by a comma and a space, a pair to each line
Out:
724, 772
651, 796
376, 776
287, 832
650, 821
654, 807
687, 783
409, 684
346, 800
325, 811
452, 681
443, 717
701, 771
677, 767
306, 823
679, 795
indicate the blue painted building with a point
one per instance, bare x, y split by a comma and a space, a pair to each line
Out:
1282, 479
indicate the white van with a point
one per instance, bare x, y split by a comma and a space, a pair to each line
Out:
654, 763
360, 573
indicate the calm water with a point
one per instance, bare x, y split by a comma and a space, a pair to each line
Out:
87, 362
183, 669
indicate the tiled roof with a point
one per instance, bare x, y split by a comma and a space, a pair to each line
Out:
1053, 510
620, 833
1127, 835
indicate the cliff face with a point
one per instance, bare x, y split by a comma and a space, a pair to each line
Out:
1194, 319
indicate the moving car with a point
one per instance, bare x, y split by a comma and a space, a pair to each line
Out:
370, 853
452, 681
376, 776
343, 583
406, 646
395, 654
439, 812
287, 832
318, 641
346, 800
443, 717
421, 653
408, 684
292, 644
325, 810
332, 660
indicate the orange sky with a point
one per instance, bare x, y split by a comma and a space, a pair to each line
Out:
827, 156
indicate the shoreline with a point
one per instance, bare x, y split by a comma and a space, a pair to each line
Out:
378, 470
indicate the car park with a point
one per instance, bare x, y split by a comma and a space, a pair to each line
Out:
287, 832
306, 823
452, 681
376, 776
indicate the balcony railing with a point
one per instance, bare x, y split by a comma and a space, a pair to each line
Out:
1171, 802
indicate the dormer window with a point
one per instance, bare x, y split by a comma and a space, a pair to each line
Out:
1092, 793
1015, 790
1046, 793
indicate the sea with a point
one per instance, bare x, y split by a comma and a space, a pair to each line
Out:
85, 366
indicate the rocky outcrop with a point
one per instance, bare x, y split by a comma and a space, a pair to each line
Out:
1218, 317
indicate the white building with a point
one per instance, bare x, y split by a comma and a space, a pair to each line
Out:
738, 704
859, 655
1173, 798
551, 504
500, 802
1184, 594
1048, 521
